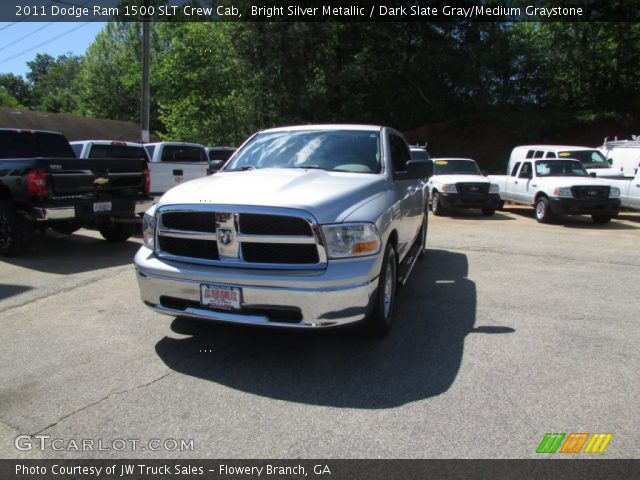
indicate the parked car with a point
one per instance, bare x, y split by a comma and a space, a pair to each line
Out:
458, 182
43, 184
591, 158
623, 156
109, 149
305, 227
172, 163
557, 186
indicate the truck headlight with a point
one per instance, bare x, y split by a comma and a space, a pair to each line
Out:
449, 188
149, 230
563, 192
614, 192
494, 188
351, 239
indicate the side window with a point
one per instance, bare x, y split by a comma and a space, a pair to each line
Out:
538, 154
399, 153
526, 171
515, 169
77, 149
530, 154
550, 155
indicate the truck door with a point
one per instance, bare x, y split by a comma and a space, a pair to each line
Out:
522, 184
634, 192
408, 211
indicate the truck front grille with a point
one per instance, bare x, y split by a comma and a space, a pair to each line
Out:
473, 189
239, 237
590, 192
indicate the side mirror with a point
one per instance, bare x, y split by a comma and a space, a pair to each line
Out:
610, 160
484, 173
593, 174
214, 166
419, 169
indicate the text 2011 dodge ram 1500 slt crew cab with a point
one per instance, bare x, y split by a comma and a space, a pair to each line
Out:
558, 187
458, 182
43, 184
310, 226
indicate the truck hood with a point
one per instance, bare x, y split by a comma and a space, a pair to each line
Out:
569, 181
328, 196
460, 178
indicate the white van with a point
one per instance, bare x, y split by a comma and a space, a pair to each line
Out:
623, 156
591, 158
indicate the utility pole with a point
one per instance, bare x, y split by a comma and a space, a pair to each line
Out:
146, 53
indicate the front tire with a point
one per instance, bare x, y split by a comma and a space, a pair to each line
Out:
601, 219
436, 205
380, 319
487, 212
16, 232
543, 210
116, 232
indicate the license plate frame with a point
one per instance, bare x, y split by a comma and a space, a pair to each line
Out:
99, 207
220, 296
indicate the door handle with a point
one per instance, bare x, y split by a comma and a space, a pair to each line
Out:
178, 172
515, 181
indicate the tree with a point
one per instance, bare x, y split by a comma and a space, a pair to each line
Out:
17, 87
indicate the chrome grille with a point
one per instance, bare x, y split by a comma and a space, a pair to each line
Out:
252, 237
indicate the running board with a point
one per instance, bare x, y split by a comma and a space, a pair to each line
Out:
404, 269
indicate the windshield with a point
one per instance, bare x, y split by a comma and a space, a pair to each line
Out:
336, 150
560, 168
588, 158
455, 167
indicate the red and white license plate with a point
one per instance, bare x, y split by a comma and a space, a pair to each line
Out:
101, 207
220, 296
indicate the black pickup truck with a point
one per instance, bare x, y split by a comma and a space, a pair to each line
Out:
43, 185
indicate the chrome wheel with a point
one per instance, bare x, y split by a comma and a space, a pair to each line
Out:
540, 210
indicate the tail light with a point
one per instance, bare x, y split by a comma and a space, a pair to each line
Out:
37, 182
147, 180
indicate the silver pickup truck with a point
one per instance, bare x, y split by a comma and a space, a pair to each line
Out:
305, 227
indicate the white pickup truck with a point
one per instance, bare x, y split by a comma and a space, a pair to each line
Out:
172, 163
458, 182
629, 190
108, 149
559, 187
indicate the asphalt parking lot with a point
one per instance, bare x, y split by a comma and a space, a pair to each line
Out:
507, 330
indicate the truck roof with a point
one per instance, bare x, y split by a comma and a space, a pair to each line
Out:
328, 127
182, 144
107, 142
555, 147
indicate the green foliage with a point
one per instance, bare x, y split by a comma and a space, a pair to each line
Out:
17, 88
52, 82
6, 99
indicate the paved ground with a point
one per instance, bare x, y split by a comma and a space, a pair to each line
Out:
508, 330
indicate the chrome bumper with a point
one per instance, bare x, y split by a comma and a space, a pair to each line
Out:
342, 294
69, 213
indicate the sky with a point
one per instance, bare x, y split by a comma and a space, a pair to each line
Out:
21, 41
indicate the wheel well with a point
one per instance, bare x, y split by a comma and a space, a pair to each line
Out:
538, 195
393, 239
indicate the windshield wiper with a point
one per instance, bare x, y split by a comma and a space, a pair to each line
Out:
311, 167
241, 169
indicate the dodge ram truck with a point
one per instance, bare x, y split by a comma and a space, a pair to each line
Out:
43, 185
458, 182
305, 227
557, 187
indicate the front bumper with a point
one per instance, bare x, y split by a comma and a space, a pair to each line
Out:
491, 200
584, 206
83, 210
341, 294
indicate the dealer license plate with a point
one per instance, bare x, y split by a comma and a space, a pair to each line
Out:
102, 207
220, 296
